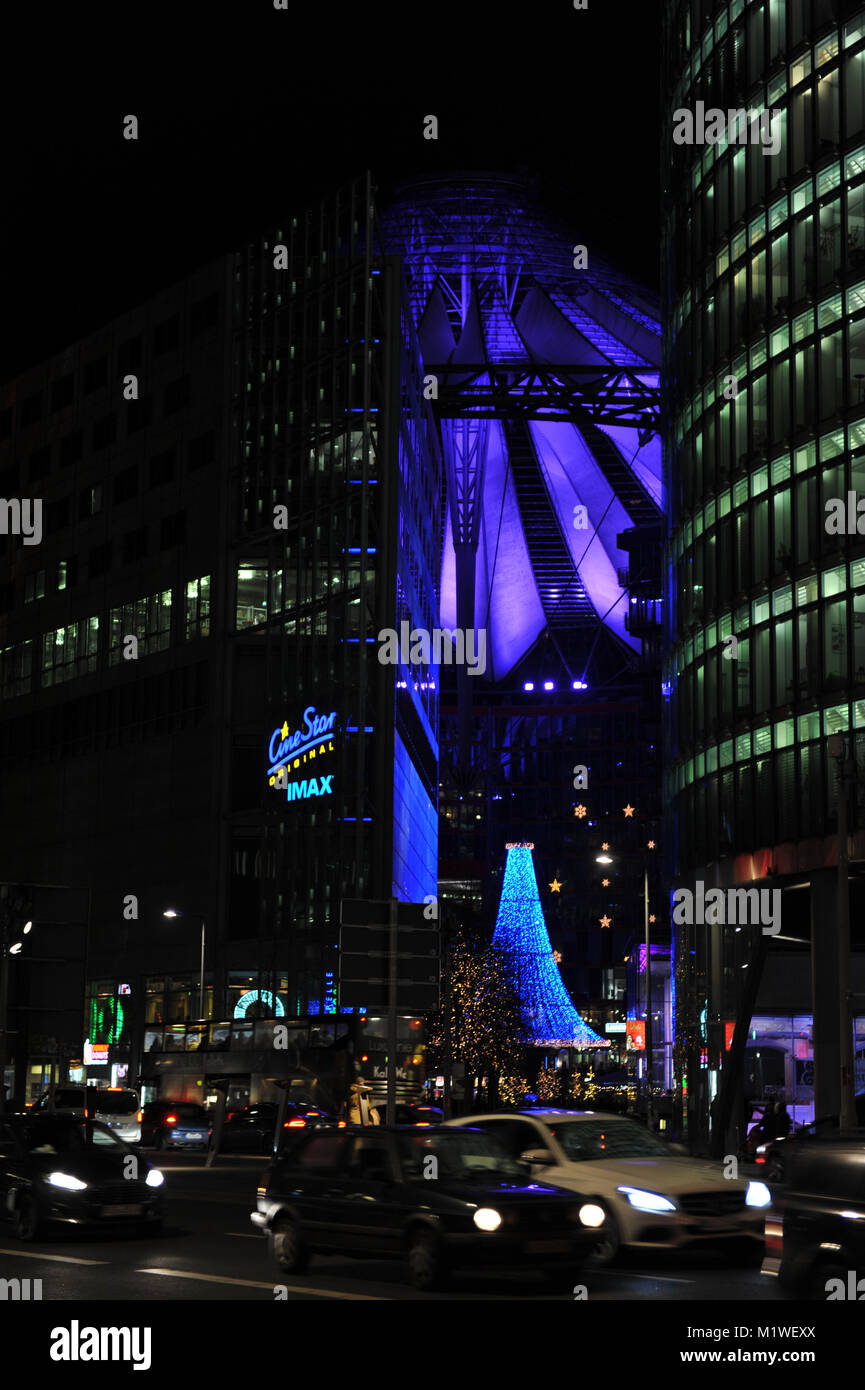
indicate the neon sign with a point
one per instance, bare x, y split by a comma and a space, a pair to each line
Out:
288, 752
254, 996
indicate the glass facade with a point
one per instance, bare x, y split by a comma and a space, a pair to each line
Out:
764, 248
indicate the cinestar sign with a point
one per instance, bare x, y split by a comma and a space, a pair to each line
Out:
287, 752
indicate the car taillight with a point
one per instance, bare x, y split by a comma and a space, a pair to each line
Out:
341, 1124
140, 1116
295, 1124
171, 1119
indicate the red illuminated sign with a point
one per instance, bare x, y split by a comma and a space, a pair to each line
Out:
636, 1035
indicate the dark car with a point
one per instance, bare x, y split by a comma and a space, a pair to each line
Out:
774, 1155
408, 1114
60, 1168
175, 1124
439, 1198
252, 1129
815, 1229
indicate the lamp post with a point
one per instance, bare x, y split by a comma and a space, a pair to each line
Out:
176, 912
8, 947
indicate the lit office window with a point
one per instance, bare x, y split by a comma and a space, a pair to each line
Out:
198, 607
147, 619
70, 651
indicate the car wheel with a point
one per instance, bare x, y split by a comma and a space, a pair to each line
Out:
27, 1220
426, 1265
291, 1254
609, 1242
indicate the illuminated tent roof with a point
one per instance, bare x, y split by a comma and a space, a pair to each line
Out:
549, 1017
548, 381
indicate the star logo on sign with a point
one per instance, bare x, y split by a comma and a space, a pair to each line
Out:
605, 920
556, 886
284, 730
579, 812
629, 810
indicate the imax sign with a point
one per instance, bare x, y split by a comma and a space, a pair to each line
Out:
316, 786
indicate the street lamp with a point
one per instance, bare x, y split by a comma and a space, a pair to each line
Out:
176, 912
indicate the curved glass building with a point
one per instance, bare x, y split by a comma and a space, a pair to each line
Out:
764, 258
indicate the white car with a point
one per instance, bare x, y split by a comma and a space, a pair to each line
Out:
655, 1198
114, 1106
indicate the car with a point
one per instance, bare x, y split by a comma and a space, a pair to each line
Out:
175, 1124
815, 1229
439, 1198
655, 1198
774, 1154
114, 1106
60, 1168
411, 1114
252, 1129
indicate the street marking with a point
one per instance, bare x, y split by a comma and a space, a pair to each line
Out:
256, 1284
59, 1259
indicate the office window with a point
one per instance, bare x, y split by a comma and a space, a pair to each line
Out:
62, 392
99, 560
198, 607
204, 314
15, 669
172, 531
139, 414
90, 502
67, 572
40, 463
34, 586
166, 335
176, 395
201, 451
134, 545
31, 409
251, 593
162, 467
148, 619
126, 484
57, 515
129, 356
70, 651
104, 432
95, 374
71, 448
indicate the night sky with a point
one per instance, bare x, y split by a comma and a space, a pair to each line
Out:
248, 114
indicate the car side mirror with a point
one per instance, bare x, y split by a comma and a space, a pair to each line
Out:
539, 1156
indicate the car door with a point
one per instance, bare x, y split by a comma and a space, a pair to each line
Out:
371, 1212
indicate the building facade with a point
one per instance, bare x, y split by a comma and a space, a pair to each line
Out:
764, 263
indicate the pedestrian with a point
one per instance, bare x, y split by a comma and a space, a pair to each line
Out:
359, 1110
782, 1124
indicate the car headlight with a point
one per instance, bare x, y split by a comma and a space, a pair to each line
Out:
66, 1180
155, 1178
487, 1219
590, 1214
647, 1201
758, 1195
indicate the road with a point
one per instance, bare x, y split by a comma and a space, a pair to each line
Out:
209, 1250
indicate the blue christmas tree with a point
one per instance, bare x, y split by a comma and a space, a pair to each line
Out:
549, 1017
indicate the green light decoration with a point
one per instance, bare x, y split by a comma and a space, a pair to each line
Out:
106, 1020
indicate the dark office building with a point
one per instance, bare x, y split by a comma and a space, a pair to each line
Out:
764, 372
240, 484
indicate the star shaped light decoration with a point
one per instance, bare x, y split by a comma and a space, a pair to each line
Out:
556, 886
652, 917
605, 920
605, 883
605, 847
629, 810
650, 845
557, 957
579, 812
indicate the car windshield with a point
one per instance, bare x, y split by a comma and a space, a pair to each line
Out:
113, 1102
53, 1136
457, 1154
596, 1139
